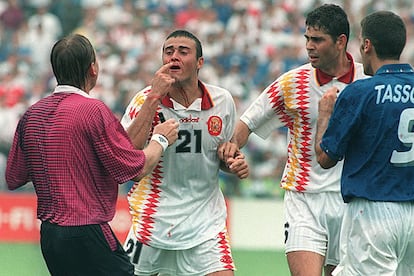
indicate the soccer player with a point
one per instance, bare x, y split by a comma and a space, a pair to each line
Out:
76, 153
178, 211
371, 128
313, 203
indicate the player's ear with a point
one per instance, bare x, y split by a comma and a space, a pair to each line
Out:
93, 69
342, 40
200, 62
367, 46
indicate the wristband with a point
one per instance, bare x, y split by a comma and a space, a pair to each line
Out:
160, 139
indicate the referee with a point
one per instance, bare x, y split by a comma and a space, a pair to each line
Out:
76, 153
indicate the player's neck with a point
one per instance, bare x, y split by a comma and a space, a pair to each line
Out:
185, 94
340, 68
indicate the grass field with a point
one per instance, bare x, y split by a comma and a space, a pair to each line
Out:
26, 260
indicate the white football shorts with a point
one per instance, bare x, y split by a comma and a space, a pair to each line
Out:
377, 239
313, 223
211, 256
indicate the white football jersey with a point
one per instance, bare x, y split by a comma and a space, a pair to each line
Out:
180, 204
292, 101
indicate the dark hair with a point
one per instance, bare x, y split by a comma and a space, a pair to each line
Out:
70, 58
184, 33
387, 33
331, 19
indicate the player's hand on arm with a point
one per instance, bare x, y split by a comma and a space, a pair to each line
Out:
233, 160
227, 150
230, 149
164, 135
325, 108
238, 165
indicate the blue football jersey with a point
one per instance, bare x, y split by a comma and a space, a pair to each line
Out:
371, 128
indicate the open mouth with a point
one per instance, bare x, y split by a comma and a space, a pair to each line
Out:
313, 59
175, 67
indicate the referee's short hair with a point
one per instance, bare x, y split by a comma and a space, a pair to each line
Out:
71, 58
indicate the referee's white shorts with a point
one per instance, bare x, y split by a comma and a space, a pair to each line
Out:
377, 239
313, 223
211, 256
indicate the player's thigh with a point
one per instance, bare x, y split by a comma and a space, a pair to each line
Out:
204, 259
305, 263
334, 209
212, 257
222, 273
304, 230
406, 265
406, 246
373, 234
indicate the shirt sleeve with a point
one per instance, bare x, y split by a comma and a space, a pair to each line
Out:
115, 150
16, 170
133, 108
263, 115
230, 125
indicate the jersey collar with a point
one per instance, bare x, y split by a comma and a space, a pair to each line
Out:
395, 68
70, 89
324, 78
206, 101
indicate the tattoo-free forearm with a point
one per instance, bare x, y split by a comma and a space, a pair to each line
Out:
325, 107
140, 128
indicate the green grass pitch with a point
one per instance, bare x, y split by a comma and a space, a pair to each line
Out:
21, 259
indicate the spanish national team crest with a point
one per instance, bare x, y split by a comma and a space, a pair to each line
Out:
215, 124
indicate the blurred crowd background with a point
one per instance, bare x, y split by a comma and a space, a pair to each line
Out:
246, 43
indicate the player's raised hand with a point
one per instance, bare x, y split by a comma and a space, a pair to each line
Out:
327, 102
162, 81
168, 129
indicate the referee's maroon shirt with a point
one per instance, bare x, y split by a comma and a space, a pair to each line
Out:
75, 152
